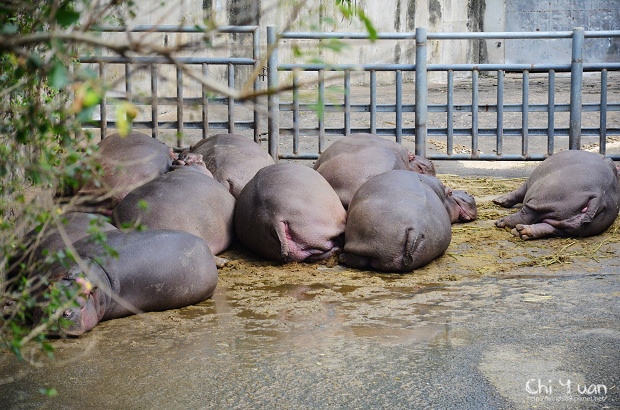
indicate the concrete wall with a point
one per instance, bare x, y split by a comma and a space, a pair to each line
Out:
400, 16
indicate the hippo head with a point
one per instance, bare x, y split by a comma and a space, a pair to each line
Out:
421, 165
190, 160
460, 206
87, 309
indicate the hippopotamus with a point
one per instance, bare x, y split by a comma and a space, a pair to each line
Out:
351, 160
184, 200
153, 271
42, 245
126, 162
400, 220
289, 213
571, 193
232, 159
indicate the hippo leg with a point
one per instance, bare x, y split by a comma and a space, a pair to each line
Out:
512, 198
525, 216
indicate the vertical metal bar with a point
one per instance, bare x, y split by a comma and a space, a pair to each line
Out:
450, 114
205, 103
347, 102
576, 84
321, 112
273, 100
474, 113
231, 100
128, 91
256, 57
421, 91
179, 107
551, 114
373, 102
603, 113
295, 113
399, 106
525, 108
103, 114
154, 102
499, 139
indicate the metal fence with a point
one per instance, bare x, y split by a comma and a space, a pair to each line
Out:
153, 64
277, 134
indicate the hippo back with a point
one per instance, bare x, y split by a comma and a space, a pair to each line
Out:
232, 159
184, 200
396, 222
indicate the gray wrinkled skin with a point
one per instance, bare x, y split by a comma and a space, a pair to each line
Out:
232, 159
571, 193
289, 213
155, 270
127, 163
400, 220
352, 160
186, 200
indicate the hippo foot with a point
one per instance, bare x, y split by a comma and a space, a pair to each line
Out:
535, 231
501, 223
220, 262
505, 201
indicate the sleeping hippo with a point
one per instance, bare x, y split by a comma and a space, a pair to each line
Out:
126, 162
232, 159
401, 220
154, 270
571, 193
289, 213
185, 200
352, 160
44, 245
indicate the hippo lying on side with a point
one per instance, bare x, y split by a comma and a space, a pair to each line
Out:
400, 220
184, 200
155, 270
571, 193
41, 246
352, 160
289, 213
232, 159
127, 162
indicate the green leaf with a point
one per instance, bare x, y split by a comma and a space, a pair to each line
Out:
67, 16
58, 76
49, 392
369, 26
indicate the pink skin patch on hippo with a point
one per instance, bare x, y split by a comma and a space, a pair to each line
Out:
298, 253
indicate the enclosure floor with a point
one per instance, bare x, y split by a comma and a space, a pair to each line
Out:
469, 330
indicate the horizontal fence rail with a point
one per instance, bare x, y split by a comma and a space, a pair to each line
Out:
451, 131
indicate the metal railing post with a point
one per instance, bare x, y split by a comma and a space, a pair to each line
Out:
421, 91
576, 84
273, 99
256, 56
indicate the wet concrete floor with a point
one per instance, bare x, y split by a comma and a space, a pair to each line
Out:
495, 322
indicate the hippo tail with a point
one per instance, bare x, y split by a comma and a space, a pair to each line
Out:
412, 242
